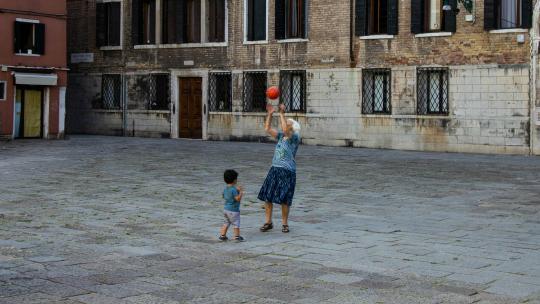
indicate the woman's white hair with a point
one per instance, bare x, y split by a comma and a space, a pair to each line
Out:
295, 125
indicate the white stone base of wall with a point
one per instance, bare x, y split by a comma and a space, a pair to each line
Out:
488, 112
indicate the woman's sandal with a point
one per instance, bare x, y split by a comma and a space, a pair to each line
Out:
267, 227
285, 229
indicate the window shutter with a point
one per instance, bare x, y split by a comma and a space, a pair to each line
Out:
280, 19
489, 15
40, 38
135, 21
101, 26
114, 23
16, 37
417, 15
361, 18
450, 18
393, 19
526, 14
179, 21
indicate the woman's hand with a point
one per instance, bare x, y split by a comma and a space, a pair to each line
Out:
282, 108
270, 109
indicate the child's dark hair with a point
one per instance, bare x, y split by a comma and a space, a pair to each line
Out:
230, 176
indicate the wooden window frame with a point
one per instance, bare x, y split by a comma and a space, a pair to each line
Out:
427, 16
108, 45
371, 14
300, 19
498, 17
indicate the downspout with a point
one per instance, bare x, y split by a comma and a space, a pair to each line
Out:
351, 36
534, 42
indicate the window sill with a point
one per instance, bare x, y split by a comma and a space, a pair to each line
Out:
27, 55
145, 46
192, 45
438, 34
376, 37
111, 48
256, 42
506, 31
295, 40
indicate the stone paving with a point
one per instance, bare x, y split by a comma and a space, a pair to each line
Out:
131, 221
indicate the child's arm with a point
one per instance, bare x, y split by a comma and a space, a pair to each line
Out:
238, 198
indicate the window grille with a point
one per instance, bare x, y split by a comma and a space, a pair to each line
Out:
111, 86
219, 92
376, 89
292, 85
255, 84
432, 91
159, 92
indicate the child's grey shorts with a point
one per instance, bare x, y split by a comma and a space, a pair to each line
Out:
232, 218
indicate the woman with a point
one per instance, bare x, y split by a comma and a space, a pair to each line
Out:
278, 187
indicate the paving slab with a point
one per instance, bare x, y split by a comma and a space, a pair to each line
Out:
119, 220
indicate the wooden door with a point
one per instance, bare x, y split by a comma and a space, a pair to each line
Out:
190, 122
32, 113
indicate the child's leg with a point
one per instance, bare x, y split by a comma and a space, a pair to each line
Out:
224, 229
236, 232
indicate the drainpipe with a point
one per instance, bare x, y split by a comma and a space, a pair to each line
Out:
534, 41
351, 29
123, 92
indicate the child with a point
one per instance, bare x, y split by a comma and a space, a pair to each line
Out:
232, 195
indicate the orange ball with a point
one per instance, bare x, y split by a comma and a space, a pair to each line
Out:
272, 93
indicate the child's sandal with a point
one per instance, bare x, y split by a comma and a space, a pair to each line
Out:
267, 227
285, 229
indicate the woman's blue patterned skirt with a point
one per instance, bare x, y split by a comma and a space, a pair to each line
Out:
278, 187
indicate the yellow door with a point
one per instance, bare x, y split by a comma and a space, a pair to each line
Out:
32, 113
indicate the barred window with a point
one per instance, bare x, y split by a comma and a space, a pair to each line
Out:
219, 92
432, 91
159, 92
376, 91
255, 84
111, 87
292, 85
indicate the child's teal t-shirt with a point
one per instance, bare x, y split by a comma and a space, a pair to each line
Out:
229, 194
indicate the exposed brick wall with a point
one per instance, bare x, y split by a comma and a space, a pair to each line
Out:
471, 44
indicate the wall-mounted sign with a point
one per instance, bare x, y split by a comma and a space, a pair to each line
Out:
82, 57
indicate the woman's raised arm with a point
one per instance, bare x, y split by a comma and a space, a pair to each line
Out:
268, 122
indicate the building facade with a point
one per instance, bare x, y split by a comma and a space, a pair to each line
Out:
427, 75
33, 69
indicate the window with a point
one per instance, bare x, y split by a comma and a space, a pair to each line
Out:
291, 19
376, 17
507, 14
216, 20
144, 21
292, 85
29, 38
181, 21
3, 90
110, 91
432, 91
376, 91
108, 18
428, 16
255, 84
159, 92
255, 20
220, 93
